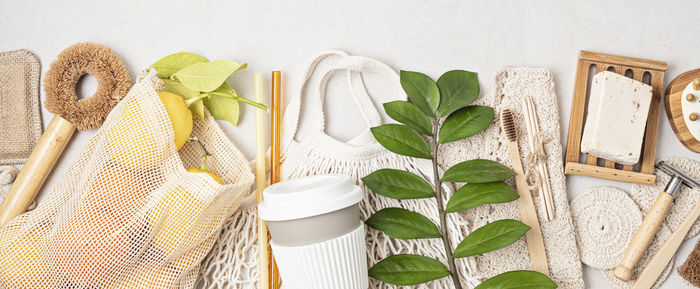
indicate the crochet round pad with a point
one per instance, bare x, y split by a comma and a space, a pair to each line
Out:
605, 219
62, 78
684, 199
658, 241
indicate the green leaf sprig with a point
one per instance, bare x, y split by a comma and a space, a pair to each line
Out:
202, 83
419, 134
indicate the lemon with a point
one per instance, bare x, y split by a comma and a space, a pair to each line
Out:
134, 143
180, 116
132, 140
22, 262
213, 176
175, 220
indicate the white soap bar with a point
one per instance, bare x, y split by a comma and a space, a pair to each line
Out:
617, 115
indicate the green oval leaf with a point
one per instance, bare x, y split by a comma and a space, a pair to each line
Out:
408, 114
518, 280
402, 140
458, 88
422, 91
474, 195
172, 63
225, 90
491, 237
222, 108
400, 223
465, 122
408, 270
207, 76
477, 171
196, 107
398, 184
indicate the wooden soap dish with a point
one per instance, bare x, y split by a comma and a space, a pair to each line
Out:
674, 99
647, 71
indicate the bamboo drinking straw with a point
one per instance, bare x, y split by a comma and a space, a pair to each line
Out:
261, 179
533, 128
275, 156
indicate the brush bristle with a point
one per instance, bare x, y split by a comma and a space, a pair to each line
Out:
508, 124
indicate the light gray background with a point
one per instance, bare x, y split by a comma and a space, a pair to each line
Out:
427, 36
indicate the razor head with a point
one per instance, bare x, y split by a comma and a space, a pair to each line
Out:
674, 172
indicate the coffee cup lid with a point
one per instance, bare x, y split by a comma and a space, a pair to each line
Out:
307, 197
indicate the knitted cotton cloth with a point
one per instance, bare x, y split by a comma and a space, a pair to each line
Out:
658, 241
20, 116
511, 85
605, 219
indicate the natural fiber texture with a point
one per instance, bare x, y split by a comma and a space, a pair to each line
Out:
658, 241
20, 114
690, 270
511, 84
605, 219
7, 176
126, 213
62, 77
532, 174
685, 197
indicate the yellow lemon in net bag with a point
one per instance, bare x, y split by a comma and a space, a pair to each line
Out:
180, 116
210, 173
135, 142
175, 221
23, 263
148, 275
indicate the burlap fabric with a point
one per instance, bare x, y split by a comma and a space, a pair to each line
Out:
20, 115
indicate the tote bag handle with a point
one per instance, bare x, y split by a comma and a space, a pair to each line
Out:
354, 65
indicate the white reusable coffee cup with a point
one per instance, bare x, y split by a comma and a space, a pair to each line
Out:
318, 238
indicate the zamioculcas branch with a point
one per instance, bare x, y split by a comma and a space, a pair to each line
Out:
449, 98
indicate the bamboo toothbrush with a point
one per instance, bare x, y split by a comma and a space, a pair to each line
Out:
533, 237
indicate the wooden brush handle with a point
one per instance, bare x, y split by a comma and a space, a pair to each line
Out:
658, 263
38, 166
645, 233
528, 213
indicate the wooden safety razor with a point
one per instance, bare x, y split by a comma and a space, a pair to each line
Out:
652, 221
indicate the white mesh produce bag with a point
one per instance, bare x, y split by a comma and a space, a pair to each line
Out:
127, 214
